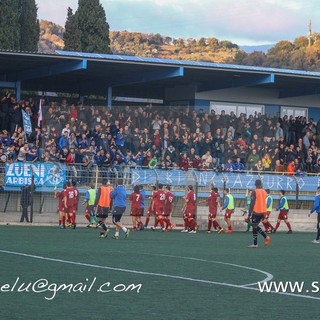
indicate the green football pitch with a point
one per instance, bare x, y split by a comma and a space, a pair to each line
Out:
48, 273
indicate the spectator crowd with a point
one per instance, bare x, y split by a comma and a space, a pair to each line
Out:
123, 137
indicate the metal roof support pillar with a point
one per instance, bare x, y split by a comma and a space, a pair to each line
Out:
18, 90
109, 97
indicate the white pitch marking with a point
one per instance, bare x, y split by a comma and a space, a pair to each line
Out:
268, 278
120, 269
153, 274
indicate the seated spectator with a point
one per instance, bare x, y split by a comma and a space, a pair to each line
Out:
184, 162
240, 142
33, 154
266, 162
216, 165
71, 157
206, 160
316, 168
238, 166
196, 162
252, 160
291, 169
299, 167
228, 166
258, 166
279, 167
166, 163
153, 163
310, 160
171, 152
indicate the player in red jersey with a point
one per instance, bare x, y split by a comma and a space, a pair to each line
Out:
77, 197
168, 207
62, 216
190, 211
214, 204
135, 198
69, 201
159, 200
150, 212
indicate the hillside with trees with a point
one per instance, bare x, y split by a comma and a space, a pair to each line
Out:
301, 54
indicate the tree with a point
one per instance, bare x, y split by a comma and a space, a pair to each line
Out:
228, 44
72, 35
9, 25
202, 42
213, 43
29, 26
94, 29
240, 57
256, 58
300, 42
298, 59
279, 55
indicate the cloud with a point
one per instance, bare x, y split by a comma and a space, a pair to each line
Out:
239, 21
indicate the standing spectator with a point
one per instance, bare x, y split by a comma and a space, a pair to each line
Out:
306, 139
15, 117
23, 151
316, 208
278, 131
5, 104
25, 201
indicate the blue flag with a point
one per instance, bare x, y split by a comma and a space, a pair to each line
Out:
27, 126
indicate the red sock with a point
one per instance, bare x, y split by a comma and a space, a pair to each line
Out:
289, 226
156, 222
168, 222
270, 225
277, 225
73, 219
161, 223
186, 224
59, 222
87, 216
68, 218
147, 221
63, 220
216, 225
265, 224
230, 227
209, 225
193, 224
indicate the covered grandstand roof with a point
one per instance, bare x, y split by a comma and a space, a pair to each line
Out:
92, 73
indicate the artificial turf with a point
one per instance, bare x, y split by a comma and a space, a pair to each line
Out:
182, 276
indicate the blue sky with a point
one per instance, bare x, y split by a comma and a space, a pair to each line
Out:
244, 22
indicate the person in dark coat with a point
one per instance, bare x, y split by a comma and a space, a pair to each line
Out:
25, 202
